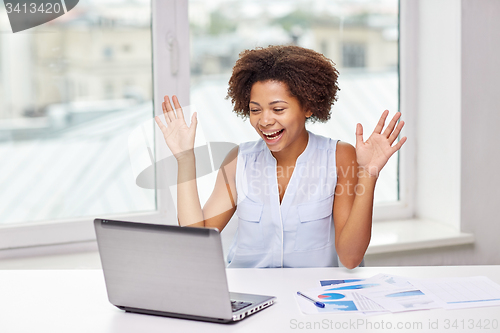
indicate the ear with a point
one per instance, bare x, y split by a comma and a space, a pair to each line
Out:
308, 113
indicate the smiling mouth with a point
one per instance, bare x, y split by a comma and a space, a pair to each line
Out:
273, 135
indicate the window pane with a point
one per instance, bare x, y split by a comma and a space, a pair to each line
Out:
71, 92
360, 36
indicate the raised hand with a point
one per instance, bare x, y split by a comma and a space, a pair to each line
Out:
178, 136
374, 153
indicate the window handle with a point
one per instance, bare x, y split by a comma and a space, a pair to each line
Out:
173, 47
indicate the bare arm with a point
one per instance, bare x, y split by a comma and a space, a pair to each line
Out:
189, 212
219, 207
357, 171
352, 208
180, 139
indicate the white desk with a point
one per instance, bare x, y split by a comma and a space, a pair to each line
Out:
76, 301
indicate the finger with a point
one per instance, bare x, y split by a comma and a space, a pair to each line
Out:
194, 122
178, 108
164, 108
170, 114
398, 145
396, 132
392, 124
381, 122
359, 134
162, 127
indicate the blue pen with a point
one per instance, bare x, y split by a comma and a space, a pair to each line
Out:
318, 304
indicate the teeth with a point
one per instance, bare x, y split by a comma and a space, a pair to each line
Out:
272, 133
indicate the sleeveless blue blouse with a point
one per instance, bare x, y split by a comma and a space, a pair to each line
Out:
299, 232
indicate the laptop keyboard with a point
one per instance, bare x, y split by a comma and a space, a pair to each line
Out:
237, 305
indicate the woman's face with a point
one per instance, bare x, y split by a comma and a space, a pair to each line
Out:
277, 116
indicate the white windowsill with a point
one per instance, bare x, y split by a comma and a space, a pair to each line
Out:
396, 236
387, 237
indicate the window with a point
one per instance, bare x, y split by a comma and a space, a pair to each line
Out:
65, 119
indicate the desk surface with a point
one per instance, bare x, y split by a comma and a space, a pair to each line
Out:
76, 301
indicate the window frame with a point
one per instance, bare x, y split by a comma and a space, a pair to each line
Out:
404, 208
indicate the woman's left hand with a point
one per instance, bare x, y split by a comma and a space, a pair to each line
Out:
374, 153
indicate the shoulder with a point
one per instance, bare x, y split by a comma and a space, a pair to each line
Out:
231, 156
251, 147
229, 164
345, 154
344, 148
243, 150
322, 142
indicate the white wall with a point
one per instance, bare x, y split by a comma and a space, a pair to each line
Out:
458, 134
438, 112
480, 201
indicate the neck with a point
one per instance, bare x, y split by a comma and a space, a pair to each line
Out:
289, 155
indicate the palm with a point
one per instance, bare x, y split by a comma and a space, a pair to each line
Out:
373, 154
178, 136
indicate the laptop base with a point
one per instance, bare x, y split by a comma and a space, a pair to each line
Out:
238, 315
175, 315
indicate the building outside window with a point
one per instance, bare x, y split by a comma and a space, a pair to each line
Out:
353, 55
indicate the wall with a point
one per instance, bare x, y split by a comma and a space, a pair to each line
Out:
457, 184
480, 127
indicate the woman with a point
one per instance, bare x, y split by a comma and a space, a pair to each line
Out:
291, 186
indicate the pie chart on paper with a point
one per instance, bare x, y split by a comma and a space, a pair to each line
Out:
328, 296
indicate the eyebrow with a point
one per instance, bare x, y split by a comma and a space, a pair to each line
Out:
273, 102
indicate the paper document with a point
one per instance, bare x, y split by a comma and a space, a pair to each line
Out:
462, 292
338, 298
397, 294
389, 293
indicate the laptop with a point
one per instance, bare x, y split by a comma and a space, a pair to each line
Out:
170, 271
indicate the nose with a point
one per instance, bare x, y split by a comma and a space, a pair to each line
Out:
267, 118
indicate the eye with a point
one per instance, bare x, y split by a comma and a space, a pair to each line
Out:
278, 109
254, 110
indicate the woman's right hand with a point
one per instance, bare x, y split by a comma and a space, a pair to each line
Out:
178, 136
